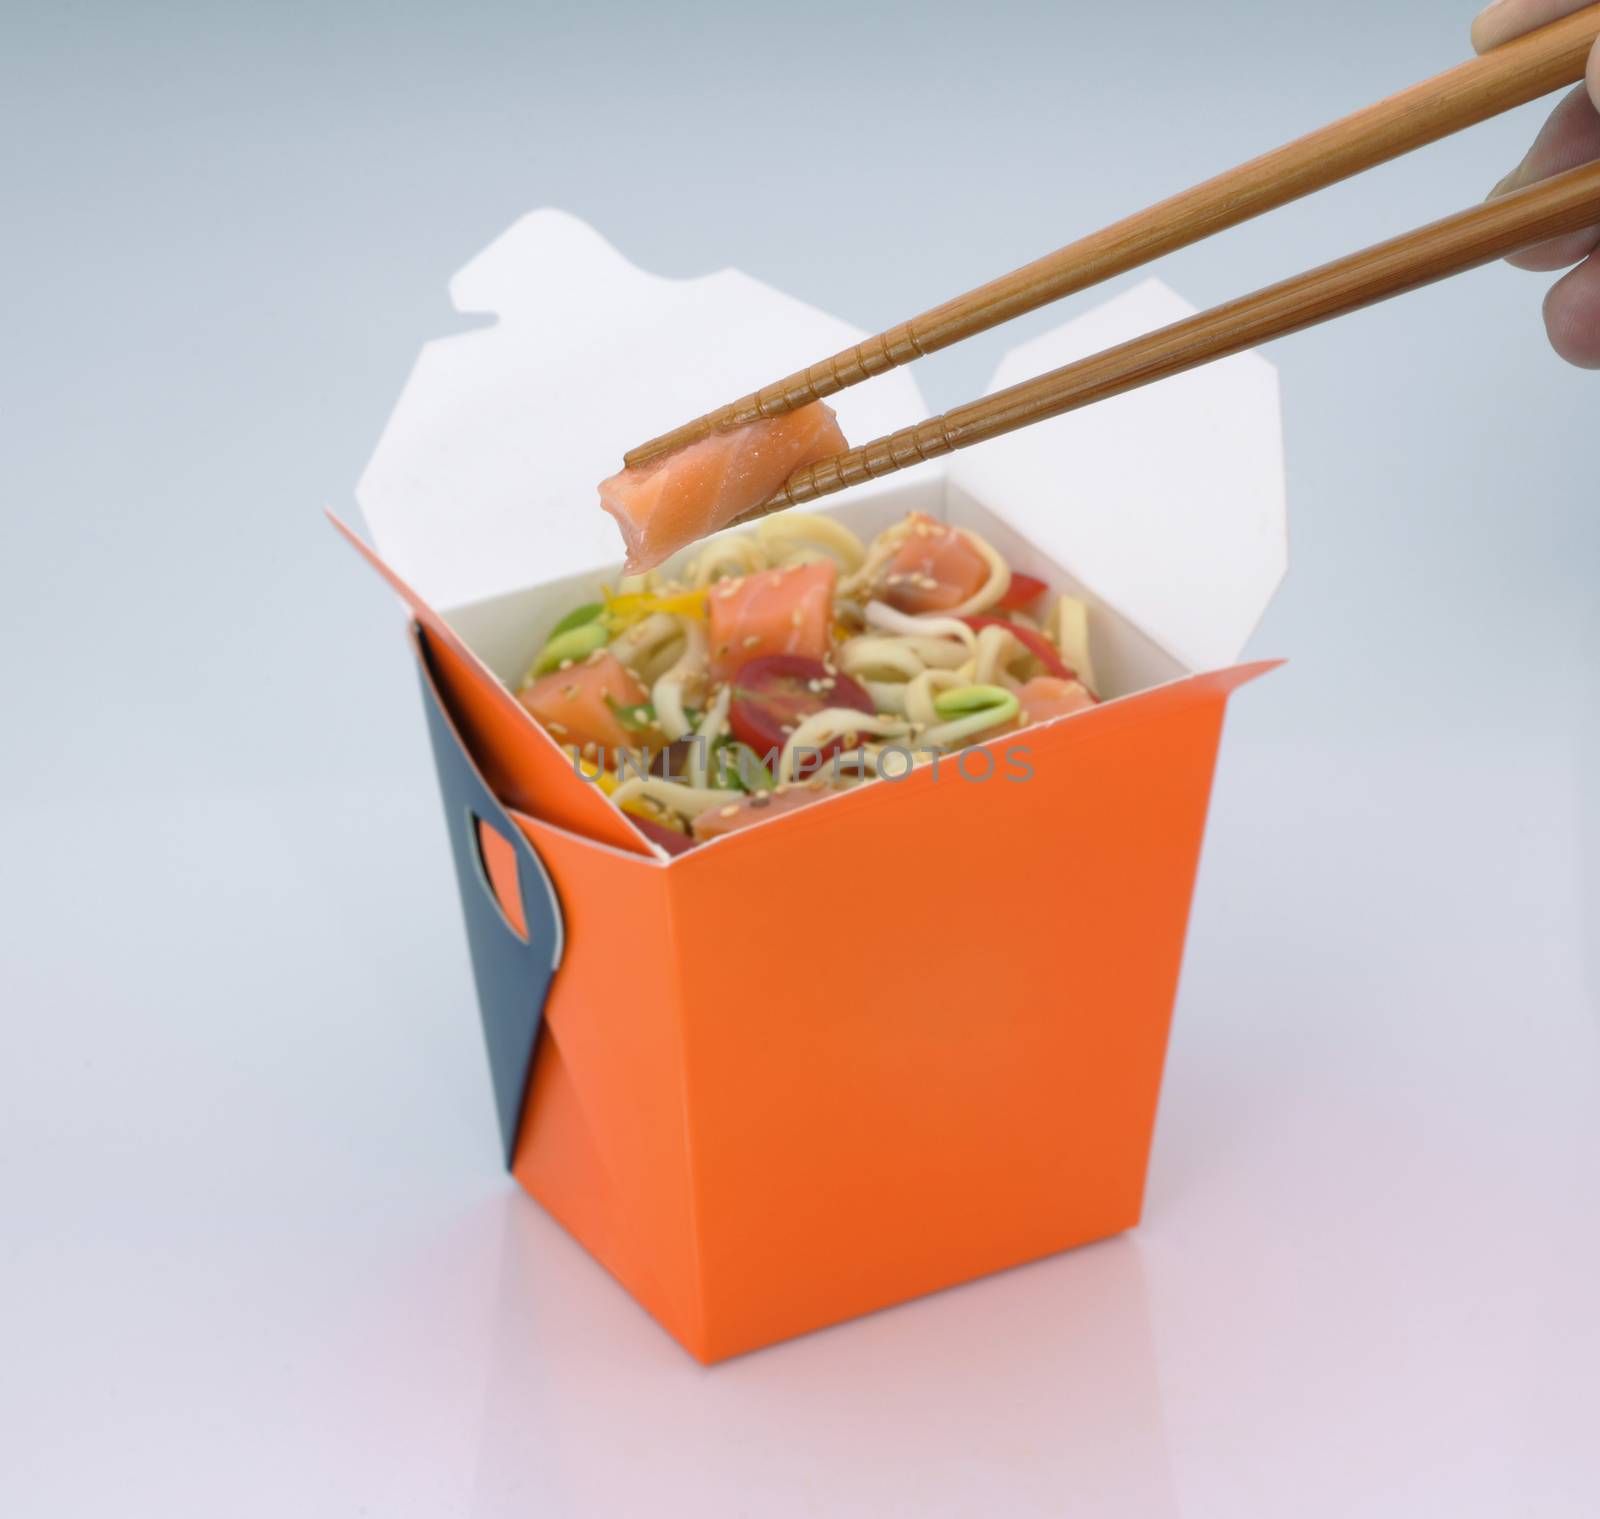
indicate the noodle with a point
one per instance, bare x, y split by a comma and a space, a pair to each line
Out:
868, 655
823, 728
880, 615
920, 694
791, 533
996, 649
961, 729
879, 664
712, 727
643, 644
998, 583
672, 795
726, 556
1072, 637
667, 693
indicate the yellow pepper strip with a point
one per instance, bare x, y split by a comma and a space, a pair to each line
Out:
623, 611
643, 807
608, 781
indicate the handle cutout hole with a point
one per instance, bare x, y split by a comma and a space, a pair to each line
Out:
497, 858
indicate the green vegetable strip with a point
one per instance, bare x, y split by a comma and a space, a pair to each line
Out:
576, 618
971, 710
574, 644
753, 775
737, 767
973, 699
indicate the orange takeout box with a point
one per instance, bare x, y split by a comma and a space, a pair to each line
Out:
911, 1034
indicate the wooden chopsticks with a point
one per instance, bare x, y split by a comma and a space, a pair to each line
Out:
1477, 236
1512, 75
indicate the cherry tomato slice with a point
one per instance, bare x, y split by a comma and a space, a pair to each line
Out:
774, 694
1022, 592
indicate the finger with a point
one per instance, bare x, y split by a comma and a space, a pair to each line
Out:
1570, 137
1572, 314
1506, 19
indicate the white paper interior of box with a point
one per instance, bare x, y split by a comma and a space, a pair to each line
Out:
485, 477
1165, 507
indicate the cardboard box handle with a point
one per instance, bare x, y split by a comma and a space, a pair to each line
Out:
513, 971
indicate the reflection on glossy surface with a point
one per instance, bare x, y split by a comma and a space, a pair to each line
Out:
1039, 1384
258, 1256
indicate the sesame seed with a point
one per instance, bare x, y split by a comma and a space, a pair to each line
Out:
729, 811
569, 692
557, 727
750, 640
640, 715
566, 664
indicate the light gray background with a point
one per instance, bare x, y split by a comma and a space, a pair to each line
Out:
256, 1255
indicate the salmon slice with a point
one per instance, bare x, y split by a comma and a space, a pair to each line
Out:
664, 506
716, 821
937, 568
787, 611
583, 705
1047, 696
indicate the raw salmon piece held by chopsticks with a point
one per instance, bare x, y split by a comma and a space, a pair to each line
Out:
668, 505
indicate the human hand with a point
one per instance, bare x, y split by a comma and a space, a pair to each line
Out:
1570, 137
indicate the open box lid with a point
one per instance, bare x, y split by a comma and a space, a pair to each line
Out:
484, 480
1167, 502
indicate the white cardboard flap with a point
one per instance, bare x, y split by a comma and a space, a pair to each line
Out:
1169, 501
484, 479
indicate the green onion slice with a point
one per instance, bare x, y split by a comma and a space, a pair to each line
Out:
965, 700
